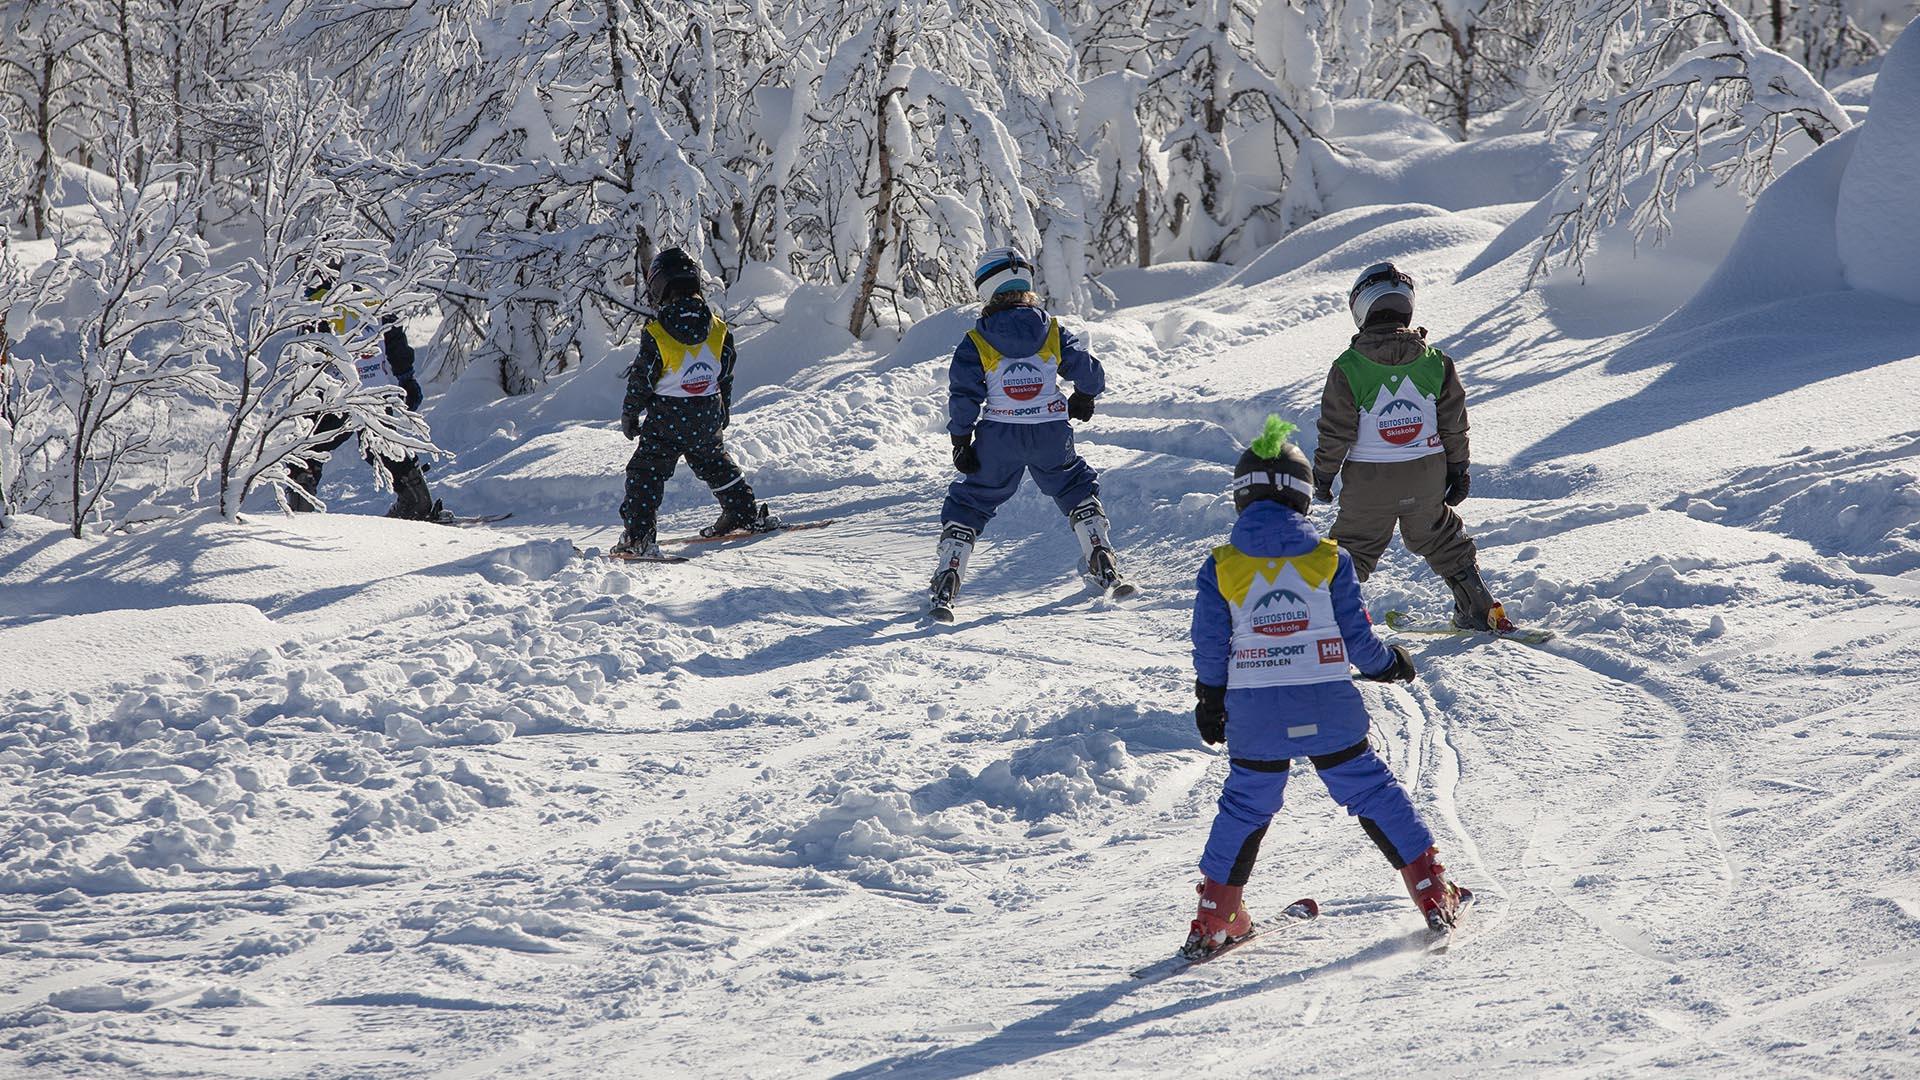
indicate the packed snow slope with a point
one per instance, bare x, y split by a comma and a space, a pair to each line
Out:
341, 797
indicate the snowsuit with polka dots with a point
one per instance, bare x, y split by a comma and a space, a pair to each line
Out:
682, 381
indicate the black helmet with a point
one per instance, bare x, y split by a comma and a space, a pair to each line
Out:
673, 273
1273, 469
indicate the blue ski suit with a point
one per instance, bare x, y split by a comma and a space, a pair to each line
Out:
1010, 448
1324, 721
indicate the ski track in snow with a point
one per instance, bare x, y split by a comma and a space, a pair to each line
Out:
751, 815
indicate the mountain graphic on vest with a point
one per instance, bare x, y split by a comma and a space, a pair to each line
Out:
1023, 381
1400, 418
697, 377
1279, 613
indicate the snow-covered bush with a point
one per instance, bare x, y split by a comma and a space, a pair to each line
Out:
291, 372
1679, 90
141, 313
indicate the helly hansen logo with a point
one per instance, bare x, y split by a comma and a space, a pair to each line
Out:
1333, 651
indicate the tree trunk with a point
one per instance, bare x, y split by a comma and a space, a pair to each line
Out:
883, 206
1142, 226
133, 98
43, 130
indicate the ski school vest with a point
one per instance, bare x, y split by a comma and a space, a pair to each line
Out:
1022, 389
1284, 630
688, 371
1399, 406
371, 361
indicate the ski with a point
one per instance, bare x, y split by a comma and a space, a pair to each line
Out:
1445, 939
479, 519
1303, 910
647, 558
941, 613
1402, 623
749, 534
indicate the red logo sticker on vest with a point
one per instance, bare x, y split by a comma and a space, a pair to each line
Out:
1395, 426
1023, 381
1333, 651
1279, 613
698, 376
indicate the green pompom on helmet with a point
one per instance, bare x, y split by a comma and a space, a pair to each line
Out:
1273, 469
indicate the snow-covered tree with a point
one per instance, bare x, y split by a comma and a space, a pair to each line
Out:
141, 312
52, 66
1452, 60
1680, 89
543, 146
1213, 86
291, 369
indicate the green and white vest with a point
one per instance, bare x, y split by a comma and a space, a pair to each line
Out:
1399, 406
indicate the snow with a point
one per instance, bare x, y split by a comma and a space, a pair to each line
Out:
1878, 223
334, 795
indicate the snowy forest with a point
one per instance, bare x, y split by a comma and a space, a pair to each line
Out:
174, 174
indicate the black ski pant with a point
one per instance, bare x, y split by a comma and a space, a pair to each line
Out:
677, 428
400, 470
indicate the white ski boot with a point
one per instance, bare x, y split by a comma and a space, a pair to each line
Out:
1090, 524
956, 547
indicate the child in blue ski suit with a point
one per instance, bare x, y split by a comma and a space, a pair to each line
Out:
1008, 416
1277, 619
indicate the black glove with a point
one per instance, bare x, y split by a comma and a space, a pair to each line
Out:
1401, 670
415, 395
1079, 406
1458, 484
1210, 712
965, 457
1323, 487
630, 425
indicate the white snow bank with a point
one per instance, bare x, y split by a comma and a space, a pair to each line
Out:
1878, 222
84, 613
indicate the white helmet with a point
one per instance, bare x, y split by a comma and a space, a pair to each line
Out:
1002, 269
1380, 287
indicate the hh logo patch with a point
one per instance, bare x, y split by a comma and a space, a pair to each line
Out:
1333, 651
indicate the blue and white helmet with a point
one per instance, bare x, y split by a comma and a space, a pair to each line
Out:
1380, 287
1002, 269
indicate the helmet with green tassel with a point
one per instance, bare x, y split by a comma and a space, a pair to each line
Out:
1273, 469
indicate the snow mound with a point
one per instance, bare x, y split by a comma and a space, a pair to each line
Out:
1878, 224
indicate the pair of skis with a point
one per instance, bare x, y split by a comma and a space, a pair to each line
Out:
1298, 913
940, 608
737, 535
1402, 623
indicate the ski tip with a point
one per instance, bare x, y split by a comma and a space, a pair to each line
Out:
1304, 908
943, 616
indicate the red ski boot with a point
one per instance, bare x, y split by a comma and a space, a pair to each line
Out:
1222, 919
1438, 899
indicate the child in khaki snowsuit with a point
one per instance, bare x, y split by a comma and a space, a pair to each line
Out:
1395, 416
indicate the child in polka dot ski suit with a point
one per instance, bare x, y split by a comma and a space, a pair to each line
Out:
682, 382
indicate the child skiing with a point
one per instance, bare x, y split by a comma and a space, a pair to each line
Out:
387, 363
682, 380
1277, 619
1395, 416
1008, 416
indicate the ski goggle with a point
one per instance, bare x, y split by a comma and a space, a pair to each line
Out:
1378, 274
1271, 479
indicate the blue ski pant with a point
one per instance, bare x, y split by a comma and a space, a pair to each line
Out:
1006, 452
1355, 777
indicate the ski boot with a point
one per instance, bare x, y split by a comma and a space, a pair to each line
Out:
956, 547
1090, 525
1440, 900
740, 514
1473, 606
1222, 920
306, 478
413, 502
636, 544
